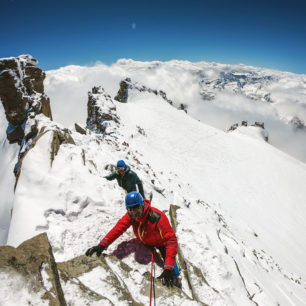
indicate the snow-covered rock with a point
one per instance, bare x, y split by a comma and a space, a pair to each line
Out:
102, 117
31, 267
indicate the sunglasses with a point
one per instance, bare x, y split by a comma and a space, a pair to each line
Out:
133, 208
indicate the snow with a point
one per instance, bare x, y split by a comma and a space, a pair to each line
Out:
8, 153
241, 216
97, 283
253, 131
46, 279
252, 185
18, 290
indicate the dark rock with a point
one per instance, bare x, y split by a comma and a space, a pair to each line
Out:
244, 123
19, 81
259, 124
32, 133
233, 127
183, 107
122, 95
79, 129
16, 135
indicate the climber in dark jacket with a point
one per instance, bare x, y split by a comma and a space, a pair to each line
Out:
126, 178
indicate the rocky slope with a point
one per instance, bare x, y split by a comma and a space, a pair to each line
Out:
219, 182
33, 261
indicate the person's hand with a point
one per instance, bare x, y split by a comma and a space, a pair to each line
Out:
167, 278
98, 249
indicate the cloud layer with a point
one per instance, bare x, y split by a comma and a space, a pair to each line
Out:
68, 87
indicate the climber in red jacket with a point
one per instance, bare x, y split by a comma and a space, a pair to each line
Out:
152, 227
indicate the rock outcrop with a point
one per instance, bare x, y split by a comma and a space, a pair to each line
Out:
75, 281
73, 271
60, 137
102, 116
126, 85
122, 95
263, 132
33, 260
22, 96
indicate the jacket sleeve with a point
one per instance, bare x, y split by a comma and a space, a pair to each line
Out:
122, 225
111, 176
140, 186
171, 242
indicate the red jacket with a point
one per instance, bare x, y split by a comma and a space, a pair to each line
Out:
152, 229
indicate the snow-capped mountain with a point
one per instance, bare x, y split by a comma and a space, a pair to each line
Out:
237, 203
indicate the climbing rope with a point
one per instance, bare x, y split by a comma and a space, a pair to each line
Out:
152, 281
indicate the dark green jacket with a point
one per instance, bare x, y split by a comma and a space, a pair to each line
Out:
127, 181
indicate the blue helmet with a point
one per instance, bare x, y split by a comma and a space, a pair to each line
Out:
121, 163
133, 198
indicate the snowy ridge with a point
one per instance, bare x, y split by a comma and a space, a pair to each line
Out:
239, 204
239, 200
8, 160
22, 100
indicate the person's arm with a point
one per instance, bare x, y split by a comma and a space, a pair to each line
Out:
122, 225
167, 232
111, 176
140, 186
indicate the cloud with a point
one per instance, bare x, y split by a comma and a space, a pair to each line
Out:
229, 108
68, 89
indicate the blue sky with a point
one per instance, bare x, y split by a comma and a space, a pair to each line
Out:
268, 34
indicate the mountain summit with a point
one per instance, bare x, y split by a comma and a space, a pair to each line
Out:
236, 202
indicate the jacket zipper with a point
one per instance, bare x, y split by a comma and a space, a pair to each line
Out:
140, 234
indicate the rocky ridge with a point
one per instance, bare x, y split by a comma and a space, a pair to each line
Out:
127, 84
33, 260
102, 117
27, 108
260, 125
22, 96
61, 283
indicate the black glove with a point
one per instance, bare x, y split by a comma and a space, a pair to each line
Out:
167, 278
98, 249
